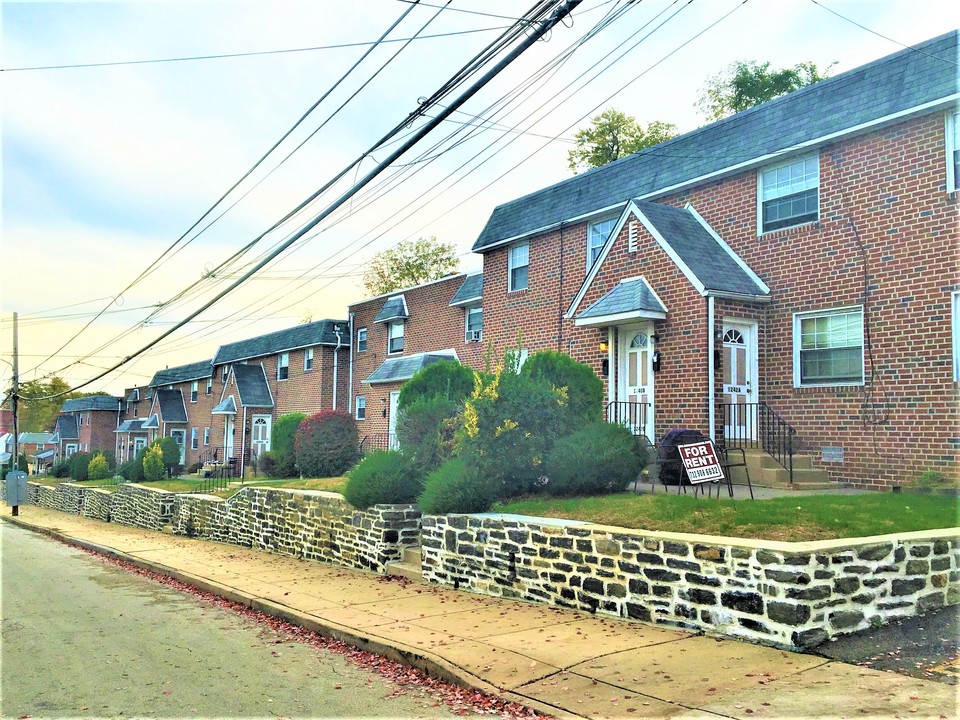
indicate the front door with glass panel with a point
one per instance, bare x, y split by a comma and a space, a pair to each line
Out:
634, 407
739, 389
228, 425
181, 437
261, 434
392, 422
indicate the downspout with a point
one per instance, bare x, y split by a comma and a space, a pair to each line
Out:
243, 447
336, 357
351, 408
711, 371
560, 297
611, 374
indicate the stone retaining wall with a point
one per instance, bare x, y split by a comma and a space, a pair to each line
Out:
141, 506
97, 504
785, 594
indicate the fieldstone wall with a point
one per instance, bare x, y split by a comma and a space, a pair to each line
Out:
786, 594
41, 495
68, 498
308, 524
97, 504
141, 506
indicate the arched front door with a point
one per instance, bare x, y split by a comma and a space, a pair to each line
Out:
739, 380
261, 434
635, 399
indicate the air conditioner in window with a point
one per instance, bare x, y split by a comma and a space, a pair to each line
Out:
474, 335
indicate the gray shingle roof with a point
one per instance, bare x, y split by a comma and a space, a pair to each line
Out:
131, 426
628, 296
470, 291
133, 395
252, 386
37, 438
320, 332
151, 423
91, 402
66, 428
227, 406
182, 373
172, 408
893, 84
404, 368
394, 308
711, 263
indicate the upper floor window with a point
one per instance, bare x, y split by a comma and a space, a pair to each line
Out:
209, 390
597, 234
206, 436
790, 194
519, 262
80, 420
361, 340
194, 390
361, 407
283, 366
224, 373
308, 359
194, 438
828, 347
395, 337
953, 151
474, 324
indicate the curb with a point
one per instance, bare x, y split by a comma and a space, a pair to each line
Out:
429, 663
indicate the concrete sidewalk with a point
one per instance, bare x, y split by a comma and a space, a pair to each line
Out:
561, 662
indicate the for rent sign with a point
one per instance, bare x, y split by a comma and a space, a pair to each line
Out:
700, 461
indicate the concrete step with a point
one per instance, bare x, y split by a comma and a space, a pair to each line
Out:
410, 566
412, 555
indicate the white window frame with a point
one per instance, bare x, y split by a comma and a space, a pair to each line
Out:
361, 340
952, 143
805, 185
468, 335
360, 407
194, 391
798, 319
955, 310
206, 436
224, 374
513, 265
70, 449
308, 360
194, 438
209, 389
596, 239
395, 331
283, 364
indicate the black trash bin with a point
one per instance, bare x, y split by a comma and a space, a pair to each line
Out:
668, 454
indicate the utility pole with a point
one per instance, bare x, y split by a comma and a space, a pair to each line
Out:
14, 397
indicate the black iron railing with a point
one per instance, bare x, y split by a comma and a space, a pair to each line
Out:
632, 415
211, 454
757, 425
216, 481
379, 441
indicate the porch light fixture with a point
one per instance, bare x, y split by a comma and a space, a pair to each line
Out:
604, 346
383, 407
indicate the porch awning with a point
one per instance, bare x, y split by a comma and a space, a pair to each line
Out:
630, 300
151, 423
45, 454
404, 368
130, 426
227, 406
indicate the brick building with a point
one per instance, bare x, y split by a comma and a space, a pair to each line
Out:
180, 400
131, 436
785, 275
396, 334
87, 424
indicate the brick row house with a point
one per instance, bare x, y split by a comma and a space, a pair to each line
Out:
86, 424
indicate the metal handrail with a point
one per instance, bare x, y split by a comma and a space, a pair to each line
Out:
632, 415
378, 441
757, 425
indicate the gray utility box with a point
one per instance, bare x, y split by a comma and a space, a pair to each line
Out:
16, 488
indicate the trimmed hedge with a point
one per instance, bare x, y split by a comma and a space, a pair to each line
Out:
327, 444
457, 487
383, 477
425, 430
98, 469
444, 379
584, 388
601, 458
283, 459
79, 465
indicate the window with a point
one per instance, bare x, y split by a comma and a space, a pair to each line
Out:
361, 340
194, 438
395, 337
790, 194
223, 375
361, 407
70, 450
308, 359
953, 151
209, 390
206, 436
194, 391
283, 366
828, 348
80, 420
474, 325
519, 261
955, 298
597, 234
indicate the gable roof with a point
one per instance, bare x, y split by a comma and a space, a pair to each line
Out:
151, 423
404, 368
183, 373
252, 386
133, 395
130, 426
395, 308
633, 298
66, 428
320, 332
912, 80
471, 291
227, 406
172, 408
91, 402
37, 438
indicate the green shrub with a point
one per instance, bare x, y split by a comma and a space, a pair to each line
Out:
599, 459
21, 464
111, 459
584, 388
170, 449
154, 468
457, 486
79, 465
282, 438
425, 430
445, 379
383, 477
131, 470
60, 469
98, 469
327, 444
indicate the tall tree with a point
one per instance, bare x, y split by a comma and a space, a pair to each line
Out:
612, 135
745, 84
410, 263
38, 415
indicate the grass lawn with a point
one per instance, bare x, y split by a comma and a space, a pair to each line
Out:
792, 519
334, 484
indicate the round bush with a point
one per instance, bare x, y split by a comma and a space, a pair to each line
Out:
79, 465
601, 458
457, 487
282, 439
98, 469
131, 470
60, 469
171, 454
153, 466
584, 388
327, 444
383, 478
425, 430
445, 379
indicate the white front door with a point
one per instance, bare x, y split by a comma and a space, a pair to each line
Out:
261, 434
181, 437
634, 406
392, 422
227, 437
739, 391
138, 445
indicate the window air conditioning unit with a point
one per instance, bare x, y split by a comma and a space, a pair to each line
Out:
474, 335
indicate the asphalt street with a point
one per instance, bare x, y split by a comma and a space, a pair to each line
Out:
81, 638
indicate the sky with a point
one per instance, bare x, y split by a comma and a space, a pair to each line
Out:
106, 167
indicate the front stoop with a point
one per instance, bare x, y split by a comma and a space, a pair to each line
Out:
767, 472
410, 567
